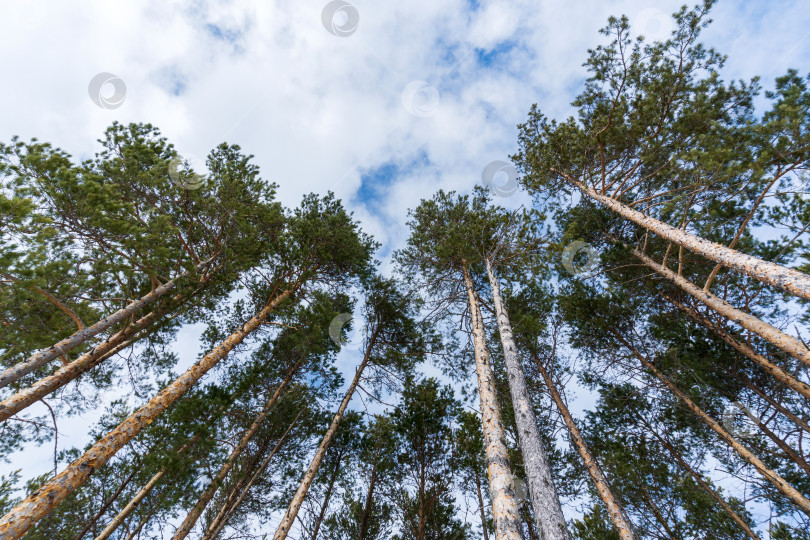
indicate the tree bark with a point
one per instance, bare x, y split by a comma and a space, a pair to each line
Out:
703, 484
795, 282
289, 517
17, 521
772, 476
41, 358
225, 469
505, 510
545, 501
769, 367
783, 341
232, 503
614, 508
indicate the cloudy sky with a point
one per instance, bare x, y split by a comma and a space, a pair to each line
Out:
381, 102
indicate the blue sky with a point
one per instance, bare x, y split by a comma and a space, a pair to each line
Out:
326, 112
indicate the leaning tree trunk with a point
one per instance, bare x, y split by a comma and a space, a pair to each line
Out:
791, 345
326, 498
772, 476
701, 481
37, 505
505, 508
795, 282
367, 507
614, 508
233, 501
545, 501
213, 486
295, 504
41, 358
769, 367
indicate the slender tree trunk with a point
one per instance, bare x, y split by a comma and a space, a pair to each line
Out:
795, 282
369, 501
545, 501
142, 493
233, 501
327, 496
16, 522
769, 367
216, 482
288, 519
772, 476
773, 403
791, 345
791, 454
699, 479
505, 508
89, 525
614, 508
481, 506
41, 358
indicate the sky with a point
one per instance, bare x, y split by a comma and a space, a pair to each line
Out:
381, 102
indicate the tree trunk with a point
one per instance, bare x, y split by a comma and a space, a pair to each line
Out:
614, 508
41, 358
772, 476
288, 519
545, 501
783, 341
703, 484
15, 523
369, 501
481, 506
105, 506
232, 503
326, 497
505, 509
769, 367
795, 282
213, 486
792, 417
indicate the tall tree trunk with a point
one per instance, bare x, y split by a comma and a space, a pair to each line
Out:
614, 508
41, 358
17, 521
233, 501
701, 481
545, 501
769, 367
481, 506
142, 493
795, 282
89, 525
505, 508
225, 469
289, 517
369, 501
772, 476
791, 345
327, 496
